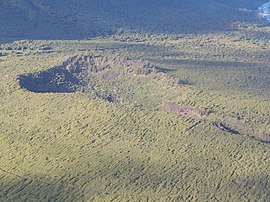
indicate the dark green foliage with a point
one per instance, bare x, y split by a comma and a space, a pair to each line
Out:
72, 19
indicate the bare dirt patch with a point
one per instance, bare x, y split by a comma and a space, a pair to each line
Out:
185, 111
234, 125
263, 137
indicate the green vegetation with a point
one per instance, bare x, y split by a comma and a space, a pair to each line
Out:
195, 127
73, 19
126, 100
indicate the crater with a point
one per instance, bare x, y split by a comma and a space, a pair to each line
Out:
75, 73
115, 79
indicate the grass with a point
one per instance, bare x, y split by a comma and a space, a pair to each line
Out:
73, 146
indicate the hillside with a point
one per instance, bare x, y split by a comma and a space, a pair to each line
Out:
121, 100
47, 19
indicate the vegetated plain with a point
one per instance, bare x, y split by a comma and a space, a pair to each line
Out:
79, 146
168, 117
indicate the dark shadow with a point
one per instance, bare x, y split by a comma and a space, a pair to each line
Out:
225, 128
38, 189
146, 180
203, 64
185, 82
55, 80
70, 20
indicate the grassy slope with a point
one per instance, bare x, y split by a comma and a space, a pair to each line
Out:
72, 147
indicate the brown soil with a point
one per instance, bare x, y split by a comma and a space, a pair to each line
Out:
184, 111
263, 137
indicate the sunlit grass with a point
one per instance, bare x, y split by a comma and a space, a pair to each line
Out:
73, 146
